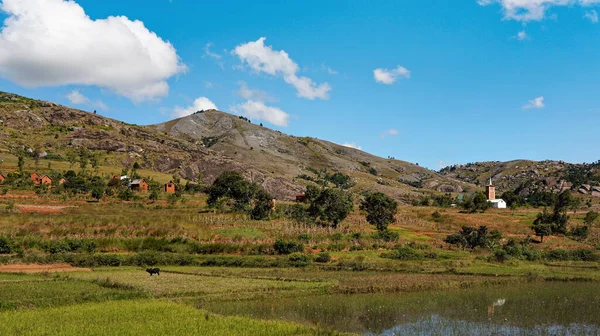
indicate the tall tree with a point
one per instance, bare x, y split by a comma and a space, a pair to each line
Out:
380, 209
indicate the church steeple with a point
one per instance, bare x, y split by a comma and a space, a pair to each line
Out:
490, 191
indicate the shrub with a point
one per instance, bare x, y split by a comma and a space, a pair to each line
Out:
580, 232
323, 257
583, 255
283, 247
557, 254
403, 253
6, 245
298, 259
388, 235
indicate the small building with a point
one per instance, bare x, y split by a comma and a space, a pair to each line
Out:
498, 203
2, 178
45, 180
62, 181
301, 198
490, 192
139, 185
170, 187
35, 177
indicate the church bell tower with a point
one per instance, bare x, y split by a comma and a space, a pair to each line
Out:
490, 191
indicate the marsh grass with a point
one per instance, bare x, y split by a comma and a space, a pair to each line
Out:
137, 318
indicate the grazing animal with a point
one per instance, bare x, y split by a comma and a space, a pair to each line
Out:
153, 271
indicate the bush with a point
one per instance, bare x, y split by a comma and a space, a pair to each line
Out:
323, 257
557, 255
403, 253
580, 232
388, 235
583, 255
283, 247
299, 259
6, 245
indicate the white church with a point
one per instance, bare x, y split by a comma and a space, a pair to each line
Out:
490, 192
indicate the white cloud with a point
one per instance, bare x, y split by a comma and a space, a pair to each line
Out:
535, 103
77, 98
592, 16
252, 94
200, 104
258, 110
328, 69
54, 42
213, 55
352, 145
390, 132
522, 35
208, 84
532, 10
386, 76
261, 58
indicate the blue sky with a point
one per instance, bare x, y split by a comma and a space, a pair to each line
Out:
458, 81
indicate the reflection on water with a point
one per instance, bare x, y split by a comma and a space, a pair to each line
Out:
437, 325
530, 309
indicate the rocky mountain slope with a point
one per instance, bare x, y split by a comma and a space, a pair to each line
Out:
201, 146
528, 176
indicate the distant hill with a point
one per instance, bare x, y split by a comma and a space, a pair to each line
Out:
201, 146
526, 176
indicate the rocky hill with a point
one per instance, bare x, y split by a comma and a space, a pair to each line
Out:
526, 176
202, 145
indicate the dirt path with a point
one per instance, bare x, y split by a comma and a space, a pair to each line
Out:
37, 268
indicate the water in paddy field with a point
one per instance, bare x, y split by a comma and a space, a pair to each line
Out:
528, 309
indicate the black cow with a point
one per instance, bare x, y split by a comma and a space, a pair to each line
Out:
153, 271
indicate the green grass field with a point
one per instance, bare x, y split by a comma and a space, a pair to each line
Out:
137, 318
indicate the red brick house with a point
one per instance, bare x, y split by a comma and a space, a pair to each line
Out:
35, 177
139, 185
170, 187
2, 178
62, 181
45, 180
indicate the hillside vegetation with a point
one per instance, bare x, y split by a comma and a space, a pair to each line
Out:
200, 147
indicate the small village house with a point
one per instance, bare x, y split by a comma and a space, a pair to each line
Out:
45, 180
2, 178
170, 187
62, 181
139, 185
35, 177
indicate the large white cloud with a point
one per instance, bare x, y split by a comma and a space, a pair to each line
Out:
263, 58
258, 110
200, 104
532, 10
386, 76
54, 42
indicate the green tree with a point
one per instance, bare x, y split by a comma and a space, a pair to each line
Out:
97, 192
590, 217
542, 230
479, 203
21, 163
247, 196
331, 206
380, 209
72, 158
